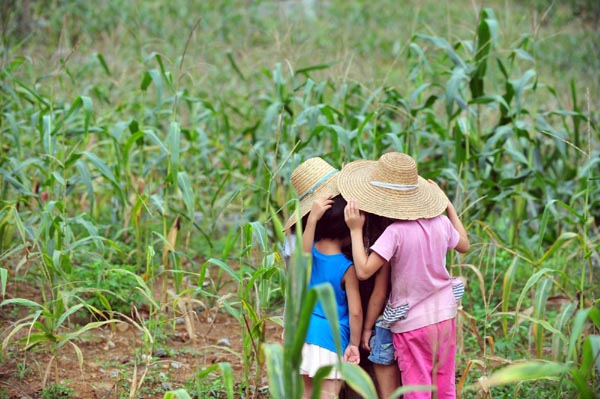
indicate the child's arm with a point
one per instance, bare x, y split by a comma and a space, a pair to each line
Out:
351, 353
319, 207
365, 265
463, 242
376, 303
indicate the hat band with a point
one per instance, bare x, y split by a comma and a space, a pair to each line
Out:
392, 186
317, 184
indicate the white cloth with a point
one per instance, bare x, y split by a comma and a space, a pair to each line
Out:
314, 357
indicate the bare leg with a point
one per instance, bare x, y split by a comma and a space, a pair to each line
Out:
330, 389
307, 387
388, 379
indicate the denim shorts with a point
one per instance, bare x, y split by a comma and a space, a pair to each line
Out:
382, 347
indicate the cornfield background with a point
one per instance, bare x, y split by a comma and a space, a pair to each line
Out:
146, 149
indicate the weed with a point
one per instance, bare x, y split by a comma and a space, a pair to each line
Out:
108, 288
56, 391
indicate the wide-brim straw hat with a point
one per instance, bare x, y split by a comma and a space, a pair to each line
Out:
313, 178
392, 187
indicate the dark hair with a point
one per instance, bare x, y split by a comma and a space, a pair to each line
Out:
374, 227
332, 225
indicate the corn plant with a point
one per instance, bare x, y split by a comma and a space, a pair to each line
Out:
283, 361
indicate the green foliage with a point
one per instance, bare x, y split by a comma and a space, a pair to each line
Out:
205, 385
107, 287
56, 391
130, 168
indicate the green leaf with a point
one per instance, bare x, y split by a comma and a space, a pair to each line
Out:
226, 374
81, 101
560, 322
527, 371
259, 234
225, 268
591, 354
530, 283
317, 381
443, 44
534, 320
177, 394
103, 63
86, 178
101, 166
68, 313
358, 379
234, 64
524, 55
174, 151
3, 280
486, 36
153, 76
185, 185
275, 370
8, 176
560, 241
539, 308
21, 302
318, 67
577, 333
507, 283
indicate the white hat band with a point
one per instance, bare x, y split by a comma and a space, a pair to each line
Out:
392, 186
317, 184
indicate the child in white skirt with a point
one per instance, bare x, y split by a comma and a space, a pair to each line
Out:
325, 235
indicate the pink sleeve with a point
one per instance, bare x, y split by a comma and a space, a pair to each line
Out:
385, 244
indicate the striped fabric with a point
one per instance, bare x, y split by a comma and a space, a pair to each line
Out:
458, 289
392, 315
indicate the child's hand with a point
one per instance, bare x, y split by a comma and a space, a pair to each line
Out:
365, 338
355, 219
319, 207
352, 355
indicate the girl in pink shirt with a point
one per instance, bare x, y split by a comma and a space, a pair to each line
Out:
422, 303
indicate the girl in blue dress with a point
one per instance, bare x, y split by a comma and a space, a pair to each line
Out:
325, 235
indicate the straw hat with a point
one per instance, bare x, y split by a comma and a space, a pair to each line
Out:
392, 187
313, 178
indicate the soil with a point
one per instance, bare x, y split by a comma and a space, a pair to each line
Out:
114, 358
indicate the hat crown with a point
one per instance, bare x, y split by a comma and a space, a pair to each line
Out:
396, 168
309, 174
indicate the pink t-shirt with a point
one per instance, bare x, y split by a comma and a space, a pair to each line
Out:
416, 250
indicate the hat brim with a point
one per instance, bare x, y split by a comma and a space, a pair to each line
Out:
328, 189
424, 202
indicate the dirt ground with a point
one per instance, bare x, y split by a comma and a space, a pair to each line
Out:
114, 358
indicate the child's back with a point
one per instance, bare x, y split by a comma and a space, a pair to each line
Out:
416, 250
329, 268
325, 235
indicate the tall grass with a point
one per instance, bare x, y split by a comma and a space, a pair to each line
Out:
174, 156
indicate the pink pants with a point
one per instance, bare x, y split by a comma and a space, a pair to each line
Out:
426, 356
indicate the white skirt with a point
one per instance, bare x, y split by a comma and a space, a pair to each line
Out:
315, 357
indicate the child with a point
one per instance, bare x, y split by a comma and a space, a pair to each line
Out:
313, 178
422, 306
325, 235
376, 347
